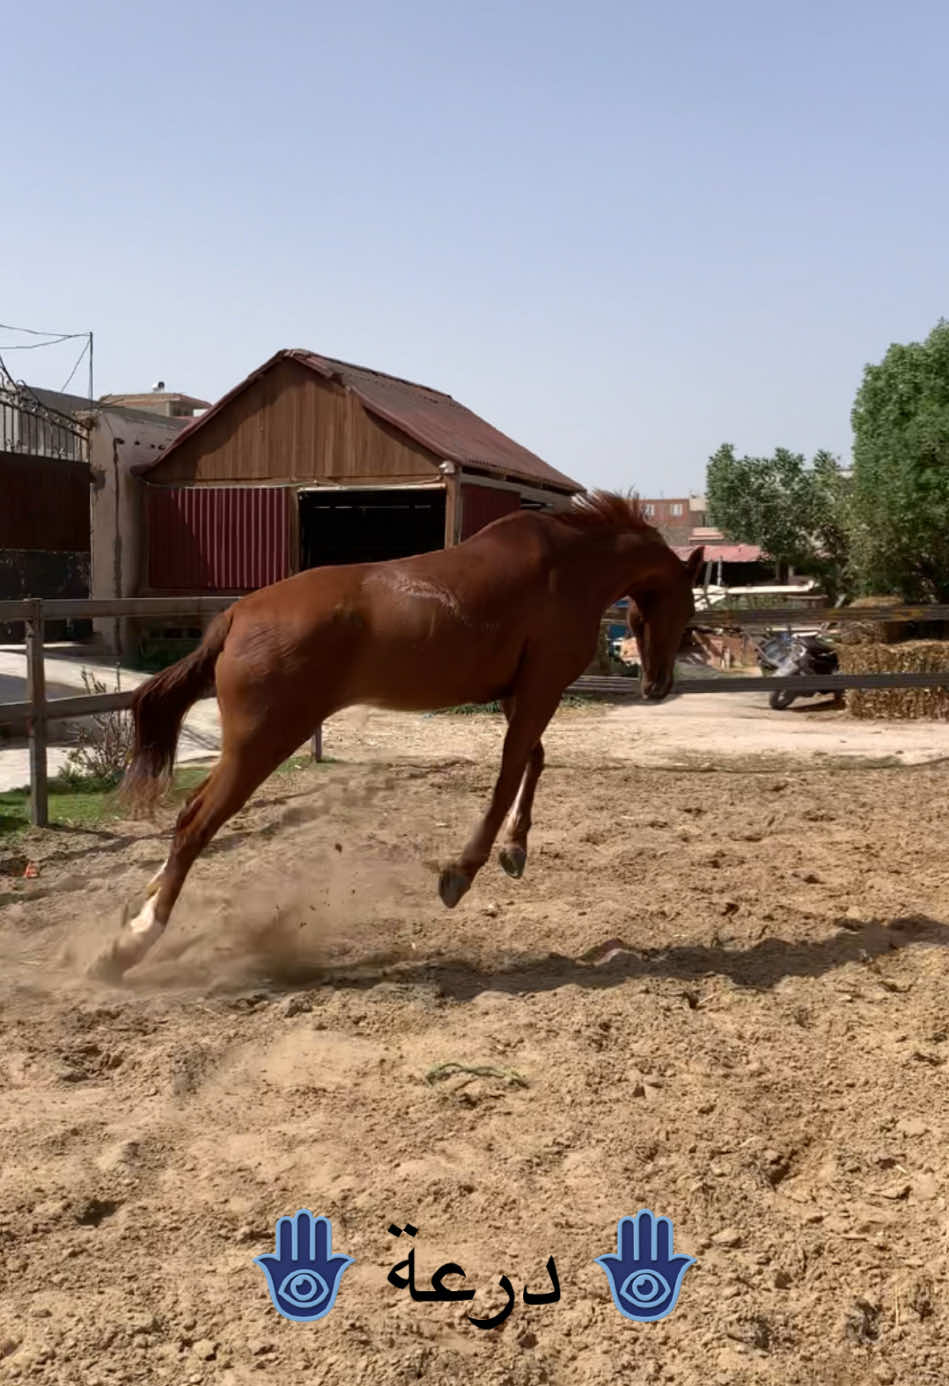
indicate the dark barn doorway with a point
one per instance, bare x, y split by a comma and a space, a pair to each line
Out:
369, 526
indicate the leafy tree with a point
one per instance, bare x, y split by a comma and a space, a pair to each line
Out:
798, 514
900, 516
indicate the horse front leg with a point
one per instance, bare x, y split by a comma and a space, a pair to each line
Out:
513, 854
525, 728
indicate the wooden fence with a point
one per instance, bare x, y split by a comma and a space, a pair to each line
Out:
38, 711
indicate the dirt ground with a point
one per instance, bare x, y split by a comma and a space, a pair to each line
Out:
720, 992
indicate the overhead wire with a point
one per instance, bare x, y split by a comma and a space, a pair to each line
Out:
32, 332
52, 339
35, 346
75, 368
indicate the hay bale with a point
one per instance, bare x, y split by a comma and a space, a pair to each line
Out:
871, 632
910, 656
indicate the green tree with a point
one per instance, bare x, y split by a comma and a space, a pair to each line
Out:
899, 526
797, 513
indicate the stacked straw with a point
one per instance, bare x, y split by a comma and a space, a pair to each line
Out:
882, 647
866, 632
909, 656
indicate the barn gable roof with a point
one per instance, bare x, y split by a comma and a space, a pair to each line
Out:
429, 417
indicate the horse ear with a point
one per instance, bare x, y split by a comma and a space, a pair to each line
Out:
694, 562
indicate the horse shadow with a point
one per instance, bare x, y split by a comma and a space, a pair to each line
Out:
757, 968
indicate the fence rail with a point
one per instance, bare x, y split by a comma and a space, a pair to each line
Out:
82, 608
36, 713
65, 709
75, 609
736, 683
716, 617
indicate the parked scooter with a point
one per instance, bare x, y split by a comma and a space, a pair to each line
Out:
785, 654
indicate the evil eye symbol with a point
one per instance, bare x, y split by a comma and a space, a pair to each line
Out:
646, 1289
303, 1289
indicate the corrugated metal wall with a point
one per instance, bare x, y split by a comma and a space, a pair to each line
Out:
480, 505
218, 539
44, 504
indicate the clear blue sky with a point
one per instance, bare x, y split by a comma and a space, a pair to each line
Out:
623, 232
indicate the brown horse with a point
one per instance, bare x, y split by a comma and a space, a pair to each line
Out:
513, 614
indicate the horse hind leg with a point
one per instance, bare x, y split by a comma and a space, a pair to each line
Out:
152, 886
154, 883
226, 790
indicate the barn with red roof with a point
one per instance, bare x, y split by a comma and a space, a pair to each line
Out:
311, 461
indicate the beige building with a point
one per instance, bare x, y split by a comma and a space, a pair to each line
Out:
169, 403
122, 443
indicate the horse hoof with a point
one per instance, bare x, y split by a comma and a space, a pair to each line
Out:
452, 885
513, 858
107, 968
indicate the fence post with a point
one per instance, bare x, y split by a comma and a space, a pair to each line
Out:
316, 744
36, 693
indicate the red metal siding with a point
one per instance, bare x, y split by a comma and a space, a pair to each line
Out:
480, 505
218, 539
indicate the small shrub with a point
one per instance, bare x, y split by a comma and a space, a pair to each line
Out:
104, 743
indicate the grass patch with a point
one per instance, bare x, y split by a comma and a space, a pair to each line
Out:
91, 803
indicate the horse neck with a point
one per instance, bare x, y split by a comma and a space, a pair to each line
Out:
623, 564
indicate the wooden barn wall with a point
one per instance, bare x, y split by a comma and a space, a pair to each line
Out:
291, 426
44, 504
480, 505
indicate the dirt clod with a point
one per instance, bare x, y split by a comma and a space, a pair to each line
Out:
862, 1324
728, 1237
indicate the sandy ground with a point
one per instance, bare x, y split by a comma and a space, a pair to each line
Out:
681, 731
719, 992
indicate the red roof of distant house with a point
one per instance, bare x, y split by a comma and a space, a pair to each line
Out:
431, 418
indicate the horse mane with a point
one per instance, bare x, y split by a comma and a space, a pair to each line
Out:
606, 512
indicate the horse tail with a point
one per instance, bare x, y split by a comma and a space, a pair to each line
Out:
158, 708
